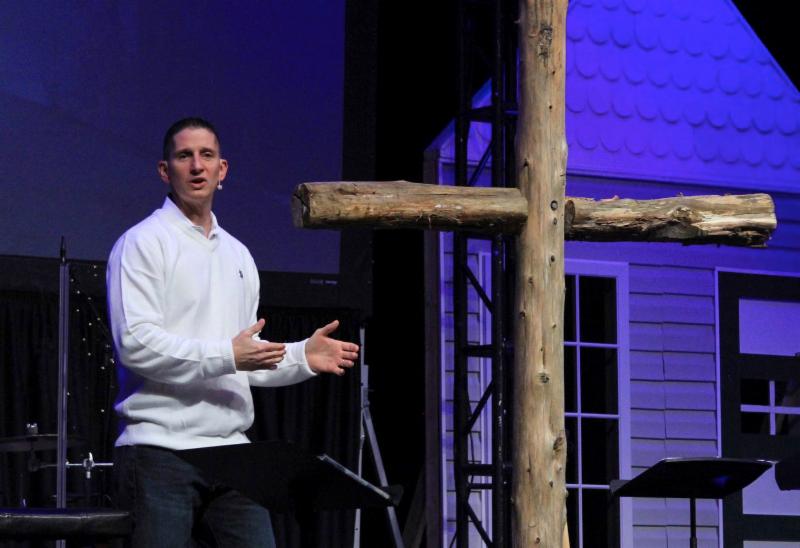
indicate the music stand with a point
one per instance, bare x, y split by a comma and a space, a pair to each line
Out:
281, 477
692, 478
787, 473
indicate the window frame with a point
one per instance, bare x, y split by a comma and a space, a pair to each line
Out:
619, 271
739, 524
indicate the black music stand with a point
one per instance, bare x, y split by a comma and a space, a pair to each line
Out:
787, 473
692, 478
281, 477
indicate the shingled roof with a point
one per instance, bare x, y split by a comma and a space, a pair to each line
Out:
673, 90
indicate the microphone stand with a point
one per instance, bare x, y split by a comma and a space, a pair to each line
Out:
63, 364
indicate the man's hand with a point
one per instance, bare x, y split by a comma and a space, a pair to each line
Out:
326, 355
251, 354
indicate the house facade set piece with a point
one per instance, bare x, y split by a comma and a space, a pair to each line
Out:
670, 351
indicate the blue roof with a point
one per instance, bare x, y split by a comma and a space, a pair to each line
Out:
673, 90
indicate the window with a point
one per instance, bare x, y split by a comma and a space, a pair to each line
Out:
595, 376
759, 400
769, 328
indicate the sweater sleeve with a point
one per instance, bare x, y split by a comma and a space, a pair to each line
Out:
135, 279
293, 368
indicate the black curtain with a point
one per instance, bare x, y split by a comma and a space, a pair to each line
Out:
28, 380
321, 415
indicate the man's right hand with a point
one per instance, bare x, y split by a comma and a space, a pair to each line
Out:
251, 354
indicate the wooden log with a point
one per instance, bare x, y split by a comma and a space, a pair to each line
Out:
400, 204
746, 219
539, 445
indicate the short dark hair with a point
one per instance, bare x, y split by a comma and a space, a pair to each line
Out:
179, 126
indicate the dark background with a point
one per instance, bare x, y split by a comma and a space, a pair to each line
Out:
87, 90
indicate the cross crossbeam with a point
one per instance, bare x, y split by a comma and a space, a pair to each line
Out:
745, 220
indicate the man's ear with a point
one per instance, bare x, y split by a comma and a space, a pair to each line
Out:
163, 170
223, 168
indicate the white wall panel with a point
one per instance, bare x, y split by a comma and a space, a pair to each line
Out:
690, 366
698, 425
647, 365
690, 395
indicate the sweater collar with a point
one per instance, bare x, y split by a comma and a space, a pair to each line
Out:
177, 216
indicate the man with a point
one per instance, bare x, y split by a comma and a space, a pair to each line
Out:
183, 296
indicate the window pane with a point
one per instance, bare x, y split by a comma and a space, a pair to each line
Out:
598, 513
599, 450
598, 309
755, 423
787, 425
569, 309
755, 391
787, 393
570, 380
598, 380
768, 327
571, 426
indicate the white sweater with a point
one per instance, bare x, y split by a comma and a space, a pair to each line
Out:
176, 299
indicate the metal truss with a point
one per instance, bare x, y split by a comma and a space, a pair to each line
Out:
486, 47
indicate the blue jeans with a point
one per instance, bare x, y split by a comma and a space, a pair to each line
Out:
172, 505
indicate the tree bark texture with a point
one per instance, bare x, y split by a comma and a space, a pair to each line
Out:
747, 219
538, 512
400, 204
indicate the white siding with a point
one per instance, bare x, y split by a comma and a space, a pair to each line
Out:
673, 399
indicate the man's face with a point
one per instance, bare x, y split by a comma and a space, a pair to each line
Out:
194, 167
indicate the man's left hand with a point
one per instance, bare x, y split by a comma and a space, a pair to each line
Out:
327, 355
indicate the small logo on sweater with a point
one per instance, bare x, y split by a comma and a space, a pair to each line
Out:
241, 275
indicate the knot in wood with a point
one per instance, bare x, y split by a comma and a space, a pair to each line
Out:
685, 214
545, 38
558, 445
348, 190
544, 378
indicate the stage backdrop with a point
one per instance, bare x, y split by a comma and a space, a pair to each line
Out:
88, 89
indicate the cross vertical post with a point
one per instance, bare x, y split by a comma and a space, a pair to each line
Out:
539, 440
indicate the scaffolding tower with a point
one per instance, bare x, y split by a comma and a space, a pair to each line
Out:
486, 35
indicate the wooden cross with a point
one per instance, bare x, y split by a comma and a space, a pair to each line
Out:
541, 216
